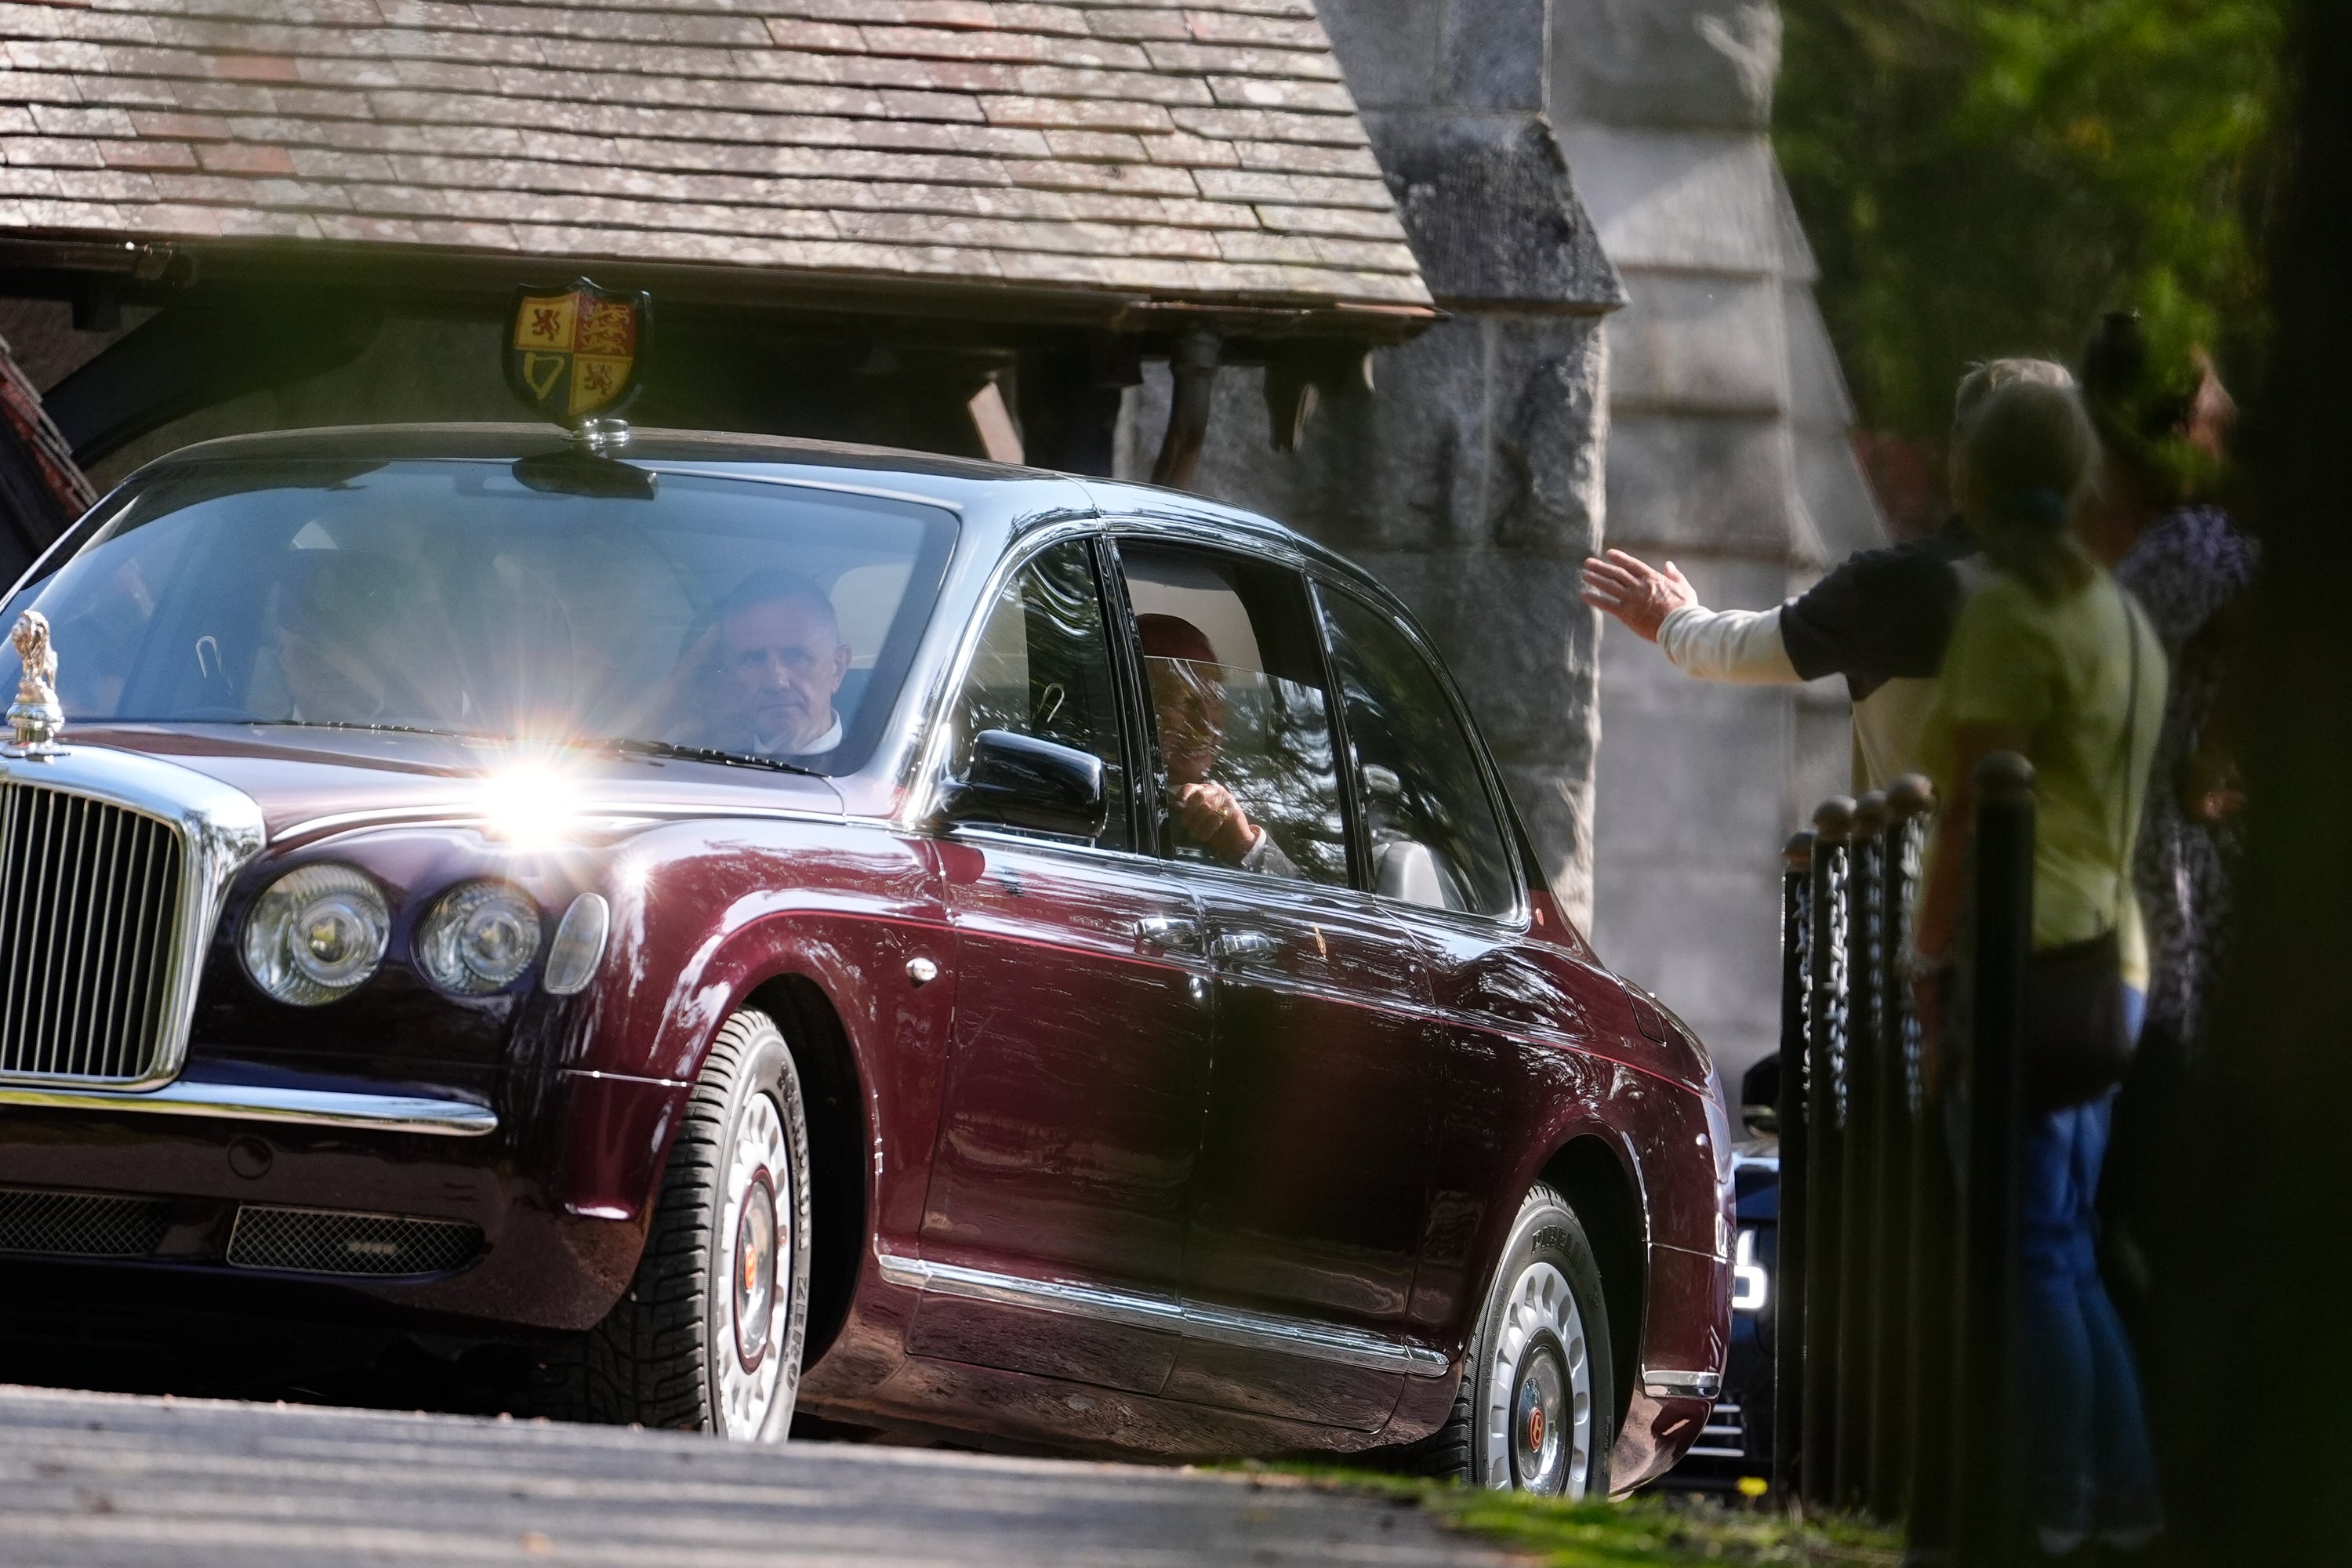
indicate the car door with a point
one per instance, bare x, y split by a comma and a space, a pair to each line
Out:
1309, 1196
1444, 868
1078, 1074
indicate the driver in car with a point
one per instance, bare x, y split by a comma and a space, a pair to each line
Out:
1189, 699
774, 660
341, 646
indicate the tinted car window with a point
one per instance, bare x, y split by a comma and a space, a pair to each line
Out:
1244, 767
753, 618
1042, 668
1435, 838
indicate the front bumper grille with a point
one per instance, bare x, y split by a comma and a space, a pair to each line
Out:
90, 902
80, 1225
329, 1241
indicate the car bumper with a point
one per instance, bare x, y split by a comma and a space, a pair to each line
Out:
516, 1199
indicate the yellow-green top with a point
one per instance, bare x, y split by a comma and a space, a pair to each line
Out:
2061, 671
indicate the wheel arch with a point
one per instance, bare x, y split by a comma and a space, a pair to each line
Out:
840, 1132
1589, 1174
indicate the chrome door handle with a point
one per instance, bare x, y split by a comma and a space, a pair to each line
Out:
1243, 946
1167, 934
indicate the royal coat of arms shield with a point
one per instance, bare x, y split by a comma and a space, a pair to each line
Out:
575, 351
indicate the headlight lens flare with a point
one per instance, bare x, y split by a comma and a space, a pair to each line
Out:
478, 938
315, 934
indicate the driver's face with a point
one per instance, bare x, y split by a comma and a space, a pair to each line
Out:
1191, 707
779, 665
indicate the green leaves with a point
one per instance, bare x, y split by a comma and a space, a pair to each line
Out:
1981, 177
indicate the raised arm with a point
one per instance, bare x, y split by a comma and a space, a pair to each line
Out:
1660, 606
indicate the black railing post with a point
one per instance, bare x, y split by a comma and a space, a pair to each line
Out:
1787, 1307
1984, 1512
1858, 1148
1931, 1276
1825, 1179
1900, 1104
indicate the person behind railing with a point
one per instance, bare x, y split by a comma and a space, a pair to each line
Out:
2051, 659
1880, 618
2163, 418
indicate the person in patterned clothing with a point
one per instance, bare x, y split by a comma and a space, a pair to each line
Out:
2164, 424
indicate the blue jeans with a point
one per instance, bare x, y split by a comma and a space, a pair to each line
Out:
2087, 1444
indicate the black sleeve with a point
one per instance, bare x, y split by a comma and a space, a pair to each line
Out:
1879, 615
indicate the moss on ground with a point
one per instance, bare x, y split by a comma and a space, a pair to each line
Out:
1648, 1530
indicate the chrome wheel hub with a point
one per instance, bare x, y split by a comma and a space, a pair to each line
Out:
755, 1229
1539, 1414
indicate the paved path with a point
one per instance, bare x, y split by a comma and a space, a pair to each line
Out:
102, 1480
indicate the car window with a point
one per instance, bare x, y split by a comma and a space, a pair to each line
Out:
1434, 836
1242, 763
1043, 669
765, 620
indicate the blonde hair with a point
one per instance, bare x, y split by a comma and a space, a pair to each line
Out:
2027, 455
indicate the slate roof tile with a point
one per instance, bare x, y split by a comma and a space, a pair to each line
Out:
1209, 150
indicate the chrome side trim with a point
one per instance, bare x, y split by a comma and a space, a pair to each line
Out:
1666, 1383
262, 1102
220, 829
1168, 1314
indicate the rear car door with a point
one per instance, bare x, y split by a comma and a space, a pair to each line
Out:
1444, 868
1078, 1074
1309, 1198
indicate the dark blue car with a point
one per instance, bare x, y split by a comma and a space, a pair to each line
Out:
1734, 1452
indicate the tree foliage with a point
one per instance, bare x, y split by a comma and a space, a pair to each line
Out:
1982, 177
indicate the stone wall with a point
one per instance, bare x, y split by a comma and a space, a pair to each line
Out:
1470, 477
1728, 452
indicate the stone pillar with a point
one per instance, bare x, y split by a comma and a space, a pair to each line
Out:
1469, 480
1728, 453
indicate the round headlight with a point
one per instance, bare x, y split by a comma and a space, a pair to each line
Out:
315, 934
478, 938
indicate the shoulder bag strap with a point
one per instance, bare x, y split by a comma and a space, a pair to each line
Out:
2132, 807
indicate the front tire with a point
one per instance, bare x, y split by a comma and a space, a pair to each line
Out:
1536, 1411
709, 1335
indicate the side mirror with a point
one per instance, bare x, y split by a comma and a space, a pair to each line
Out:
1019, 781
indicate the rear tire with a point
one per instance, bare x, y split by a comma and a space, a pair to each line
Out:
1537, 1410
709, 1335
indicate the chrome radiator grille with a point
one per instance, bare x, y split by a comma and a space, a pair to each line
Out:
89, 901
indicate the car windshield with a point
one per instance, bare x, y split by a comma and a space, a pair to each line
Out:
747, 618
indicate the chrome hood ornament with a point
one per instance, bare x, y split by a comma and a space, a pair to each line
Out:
35, 718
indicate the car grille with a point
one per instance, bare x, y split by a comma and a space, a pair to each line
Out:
90, 902
328, 1241
1724, 1435
80, 1225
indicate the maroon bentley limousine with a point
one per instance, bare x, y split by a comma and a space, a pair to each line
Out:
770, 926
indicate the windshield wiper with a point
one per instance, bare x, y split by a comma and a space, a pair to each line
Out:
711, 754
371, 728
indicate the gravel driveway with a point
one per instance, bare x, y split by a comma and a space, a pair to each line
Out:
96, 1480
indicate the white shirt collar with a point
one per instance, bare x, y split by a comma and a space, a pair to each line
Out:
764, 747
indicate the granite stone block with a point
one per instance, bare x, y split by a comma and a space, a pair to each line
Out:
1676, 481
1656, 62
1678, 198
1697, 341
1492, 55
1387, 48
1492, 215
